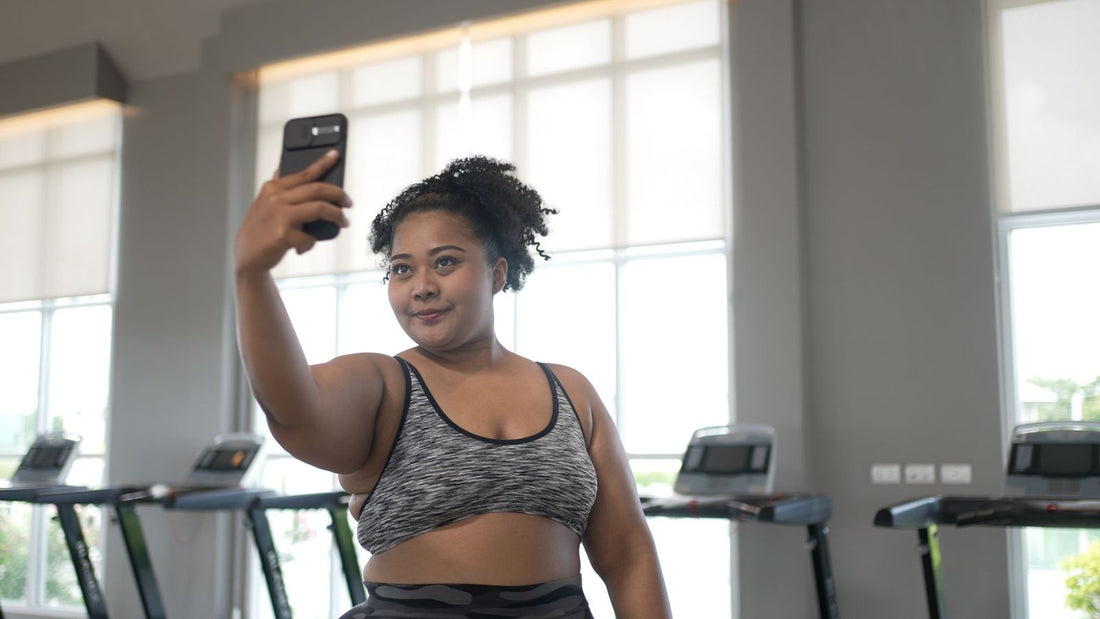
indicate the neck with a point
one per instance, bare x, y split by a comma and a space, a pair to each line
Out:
479, 355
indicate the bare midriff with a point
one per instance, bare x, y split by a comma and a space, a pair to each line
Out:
497, 548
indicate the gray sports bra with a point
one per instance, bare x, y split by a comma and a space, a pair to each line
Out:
438, 473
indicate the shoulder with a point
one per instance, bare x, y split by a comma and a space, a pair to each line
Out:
571, 377
364, 362
365, 367
581, 393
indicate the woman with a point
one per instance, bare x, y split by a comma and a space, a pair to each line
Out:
475, 473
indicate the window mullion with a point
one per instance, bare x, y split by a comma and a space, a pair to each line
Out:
519, 143
44, 245
618, 264
519, 102
619, 152
429, 110
36, 559
41, 422
341, 292
619, 223
343, 252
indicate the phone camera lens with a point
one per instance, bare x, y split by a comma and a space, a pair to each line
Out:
297, 135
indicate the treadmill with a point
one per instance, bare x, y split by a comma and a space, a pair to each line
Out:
336, 504
1052, 480
214, 483
43, 468
206, 490
728, 472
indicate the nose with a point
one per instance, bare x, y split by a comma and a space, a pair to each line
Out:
424, 286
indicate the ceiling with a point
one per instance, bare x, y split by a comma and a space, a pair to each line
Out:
145, 38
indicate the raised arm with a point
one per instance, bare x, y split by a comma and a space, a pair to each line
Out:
310, 410
617, 540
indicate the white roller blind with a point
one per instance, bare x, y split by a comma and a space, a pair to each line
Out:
1047, 97
612, 110
58, 173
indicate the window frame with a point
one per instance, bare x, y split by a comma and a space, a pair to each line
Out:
1005, 222
615, 71
36, 597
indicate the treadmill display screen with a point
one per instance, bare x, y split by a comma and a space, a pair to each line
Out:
718, 459
725, 459
1066, 459
46, 457
1055, 460
227, 460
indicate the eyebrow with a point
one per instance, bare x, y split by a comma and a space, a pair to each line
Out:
432, 252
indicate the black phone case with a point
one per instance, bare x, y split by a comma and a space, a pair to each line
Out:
305, 140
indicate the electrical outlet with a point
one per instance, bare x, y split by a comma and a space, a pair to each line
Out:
885, 473
920, 474
955, 473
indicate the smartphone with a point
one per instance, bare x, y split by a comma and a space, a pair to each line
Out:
305, 140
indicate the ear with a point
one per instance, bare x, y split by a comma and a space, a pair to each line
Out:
500, 274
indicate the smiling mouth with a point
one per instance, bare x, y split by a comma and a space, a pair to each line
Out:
429, 314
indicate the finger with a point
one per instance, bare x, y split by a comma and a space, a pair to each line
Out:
301, 241
313, 171
317, 191
275, 176
311, 211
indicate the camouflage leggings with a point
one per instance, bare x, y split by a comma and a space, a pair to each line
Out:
560, 598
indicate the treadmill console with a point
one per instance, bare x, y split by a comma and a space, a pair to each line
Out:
48, 460
226, 461
1055, 458
728, 460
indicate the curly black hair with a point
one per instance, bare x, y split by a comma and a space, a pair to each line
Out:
505, 213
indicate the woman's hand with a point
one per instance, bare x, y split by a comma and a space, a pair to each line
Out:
273, 224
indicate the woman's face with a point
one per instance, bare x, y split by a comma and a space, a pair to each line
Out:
440, 285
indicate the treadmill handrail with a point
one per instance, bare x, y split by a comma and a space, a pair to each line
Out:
782, 509
962, 511
87, 496
800, 509
316, 500
913, 514
25, 492
218, 499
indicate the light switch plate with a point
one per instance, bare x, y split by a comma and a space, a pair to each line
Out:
920, 474
955, 473
885, 473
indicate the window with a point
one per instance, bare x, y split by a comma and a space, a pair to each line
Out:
58, 173
619, 120
1044, 56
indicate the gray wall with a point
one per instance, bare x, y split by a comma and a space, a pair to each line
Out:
862, 285
173, 360
863, 295
769, 372
901, 350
